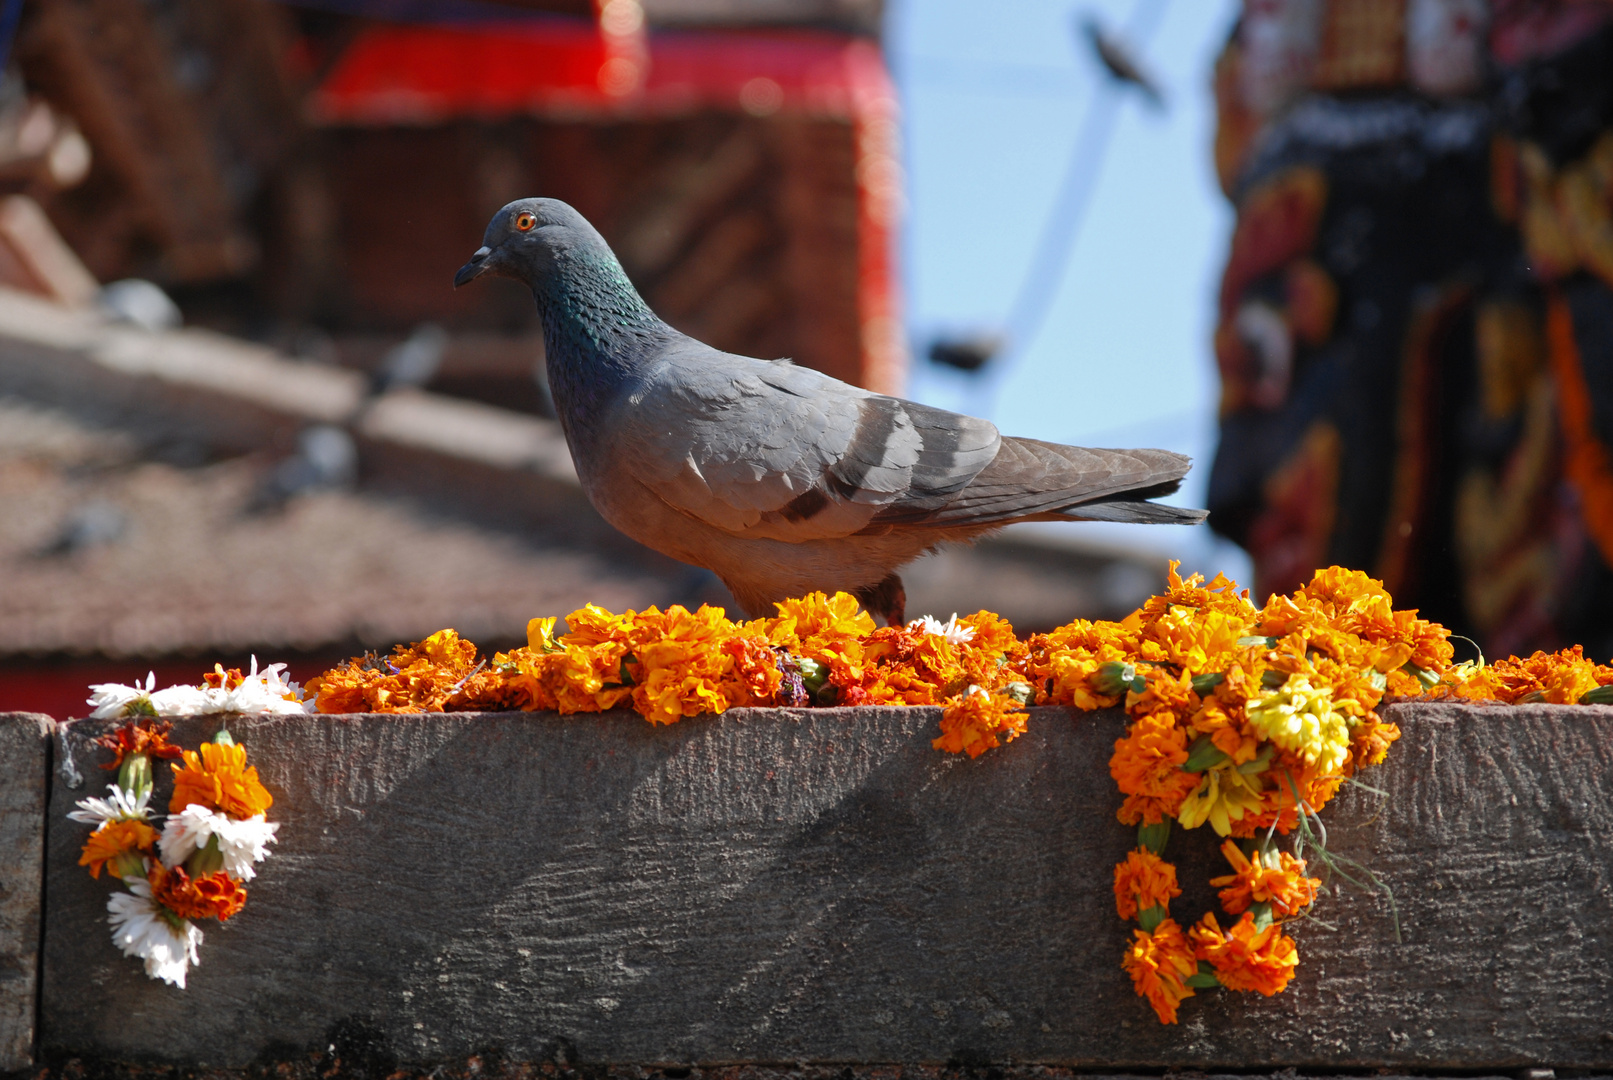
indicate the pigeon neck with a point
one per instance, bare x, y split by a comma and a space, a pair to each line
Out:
597, 331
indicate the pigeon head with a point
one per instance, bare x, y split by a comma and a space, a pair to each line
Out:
529, 240
597, 330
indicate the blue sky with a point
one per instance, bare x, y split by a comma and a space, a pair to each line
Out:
995, 97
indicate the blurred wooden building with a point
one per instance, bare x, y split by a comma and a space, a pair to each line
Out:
312, 174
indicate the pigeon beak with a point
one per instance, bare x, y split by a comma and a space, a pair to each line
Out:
477, 266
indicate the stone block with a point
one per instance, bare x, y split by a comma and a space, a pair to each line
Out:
24, 760
775, 886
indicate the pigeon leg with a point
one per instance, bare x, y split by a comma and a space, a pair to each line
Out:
888, 599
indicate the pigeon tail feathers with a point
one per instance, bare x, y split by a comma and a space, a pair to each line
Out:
1133, 512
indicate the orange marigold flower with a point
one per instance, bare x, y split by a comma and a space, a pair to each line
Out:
1283, 815
115, 838
516, 680
1284, 886
1159, 963
1559, 678
1143, 881
755, 676
994, 636
219, 679
1221, 595
1245, 958
219, 779
903, 666
1147, 765
143, 737
1369, 742
211, 896
972, 723
681, 664
416, 678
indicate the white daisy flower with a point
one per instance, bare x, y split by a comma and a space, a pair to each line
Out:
112, 701
140, 928
179, 701
242, 843
122, 806
951, 630
264, 693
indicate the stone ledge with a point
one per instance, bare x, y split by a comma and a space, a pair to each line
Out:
24, 759
774, 886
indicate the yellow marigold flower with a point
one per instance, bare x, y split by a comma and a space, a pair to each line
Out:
447, 649
1222, 798
540, 635
1159, 964
1299, 717
219, 779
1200, 641
973, 721
592, 625
1064, 677
820, 617
1142, 881
588, 678
1255, 881
114, 839
1245, 958
1340, 591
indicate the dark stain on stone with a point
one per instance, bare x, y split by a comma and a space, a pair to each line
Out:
356, 1049
971, 1064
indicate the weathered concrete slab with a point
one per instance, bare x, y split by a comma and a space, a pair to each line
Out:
772, 886
24, 759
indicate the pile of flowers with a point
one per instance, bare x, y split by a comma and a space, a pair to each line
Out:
819, 650
189, 866
1244, 719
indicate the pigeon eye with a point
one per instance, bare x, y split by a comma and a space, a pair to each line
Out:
525, 220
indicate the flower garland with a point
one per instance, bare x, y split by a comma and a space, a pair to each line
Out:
1241, 718
216, 829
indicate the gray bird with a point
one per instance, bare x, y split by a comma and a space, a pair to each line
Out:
777, 478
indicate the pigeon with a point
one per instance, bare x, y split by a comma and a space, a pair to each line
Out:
778, 478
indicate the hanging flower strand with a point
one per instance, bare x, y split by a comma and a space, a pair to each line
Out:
1242, 719
216, 830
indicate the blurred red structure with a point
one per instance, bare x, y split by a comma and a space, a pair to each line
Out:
414, 76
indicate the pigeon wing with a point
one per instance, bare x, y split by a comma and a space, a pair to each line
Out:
1028, 478
766, 449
